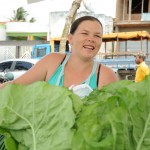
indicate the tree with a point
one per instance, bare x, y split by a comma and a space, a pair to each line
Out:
69, 19
21, 15
32, 20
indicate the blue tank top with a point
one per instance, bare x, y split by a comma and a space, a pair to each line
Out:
58, 77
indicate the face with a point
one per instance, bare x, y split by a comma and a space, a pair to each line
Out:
87, 39
137, 60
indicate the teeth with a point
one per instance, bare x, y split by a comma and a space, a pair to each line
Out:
89, 47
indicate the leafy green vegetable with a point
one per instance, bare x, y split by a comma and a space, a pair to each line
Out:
115, 118
41, 119
2, 144
6, 141
44, 117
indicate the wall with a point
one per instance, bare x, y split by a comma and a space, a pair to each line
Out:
57, 21
25, 27
2, 32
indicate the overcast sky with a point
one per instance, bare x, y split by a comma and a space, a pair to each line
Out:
40, 10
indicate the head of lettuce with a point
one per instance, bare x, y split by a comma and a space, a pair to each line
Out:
44, 117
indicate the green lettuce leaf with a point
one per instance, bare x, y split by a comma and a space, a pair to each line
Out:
44, 117
38, 116
115, 118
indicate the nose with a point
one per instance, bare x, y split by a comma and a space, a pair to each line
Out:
90, 39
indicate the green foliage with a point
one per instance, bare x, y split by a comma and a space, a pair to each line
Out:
21, 15
6, 141
43, 117
32, 20
2, 144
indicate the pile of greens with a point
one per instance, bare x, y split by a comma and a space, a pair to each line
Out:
44, 117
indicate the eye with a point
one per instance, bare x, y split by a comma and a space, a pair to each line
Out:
98, 36
84, 33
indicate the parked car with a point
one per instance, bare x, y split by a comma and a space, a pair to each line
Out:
16, 66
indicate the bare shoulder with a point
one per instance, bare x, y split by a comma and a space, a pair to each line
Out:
53, 57
51, 60
107, 76
50, 63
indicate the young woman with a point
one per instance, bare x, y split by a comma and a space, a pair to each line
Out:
78, 67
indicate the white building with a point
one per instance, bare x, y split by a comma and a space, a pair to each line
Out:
32, 31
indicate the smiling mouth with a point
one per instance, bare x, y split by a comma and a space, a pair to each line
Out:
89, 47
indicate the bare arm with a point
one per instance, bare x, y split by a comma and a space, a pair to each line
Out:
41, 71
107, 76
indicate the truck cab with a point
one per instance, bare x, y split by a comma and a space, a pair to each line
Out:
40, 50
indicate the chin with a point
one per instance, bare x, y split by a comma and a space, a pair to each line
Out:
89, 56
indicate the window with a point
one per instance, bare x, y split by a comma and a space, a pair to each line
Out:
5, 66
136, 7
21, 65
39, 52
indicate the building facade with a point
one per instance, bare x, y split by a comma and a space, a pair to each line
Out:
18, 38
132, 15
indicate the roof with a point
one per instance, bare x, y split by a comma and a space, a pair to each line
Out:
33, 1
123, 36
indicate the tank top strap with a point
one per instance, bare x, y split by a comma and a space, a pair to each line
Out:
87, 81
66, 59
62, 70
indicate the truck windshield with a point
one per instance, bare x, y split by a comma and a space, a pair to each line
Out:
39, 52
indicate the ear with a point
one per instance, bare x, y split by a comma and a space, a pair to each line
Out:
70, 39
